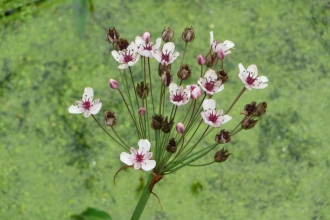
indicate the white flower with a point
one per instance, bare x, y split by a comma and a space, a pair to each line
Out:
86, 104
145, 47
250, 77
178, 95
127, 57
139, 158
167, 55
209, 83
211, 116
224, 47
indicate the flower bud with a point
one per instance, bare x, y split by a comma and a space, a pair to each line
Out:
223, 76
142, 111
184, 72
122, 44
157, 122
146, 37
180, 128
248, 123
221, 156
171, 146
167, 78
188, 35
222, 137
167, 125
221, 54
110, 118
162, 68
195, 91
113, 84
200, 60
142, 90
167, 34
112, 35
209, 60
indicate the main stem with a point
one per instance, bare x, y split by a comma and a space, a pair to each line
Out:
143, 200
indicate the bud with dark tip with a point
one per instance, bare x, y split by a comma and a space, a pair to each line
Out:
184, 72
188, 35
157, 122
221, 155
171, 146
142, 90
222, 137
223, 76
167, 34
112, 35
167, 125
122, 44
110, 118
248, 123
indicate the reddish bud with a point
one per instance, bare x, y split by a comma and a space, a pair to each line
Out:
200, 59
113, 84
180, 128
142, 111
146, 37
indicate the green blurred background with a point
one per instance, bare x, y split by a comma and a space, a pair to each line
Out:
54, 164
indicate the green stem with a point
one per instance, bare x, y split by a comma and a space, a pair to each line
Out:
143, 200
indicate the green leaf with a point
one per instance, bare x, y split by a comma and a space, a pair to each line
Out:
92, 214
80, 14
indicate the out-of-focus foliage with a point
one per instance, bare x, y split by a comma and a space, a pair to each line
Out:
53, 164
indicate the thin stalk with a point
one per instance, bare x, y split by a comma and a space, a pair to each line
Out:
238, 96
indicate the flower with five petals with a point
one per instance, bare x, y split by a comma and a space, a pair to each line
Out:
209, 83
86, 105
211, 116
250, 77
167, 55
145, 46
127, 57
139, 158
178, 95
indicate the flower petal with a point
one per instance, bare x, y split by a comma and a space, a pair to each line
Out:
148, 165
144, 144
126, 158
209, 104
74, 109
96, 107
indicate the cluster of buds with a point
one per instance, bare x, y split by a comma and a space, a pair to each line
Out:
157, 104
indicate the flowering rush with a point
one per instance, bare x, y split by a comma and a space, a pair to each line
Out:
250, 77
211, 116
86, 105
210, 83
139, 158
127, 57
166, 56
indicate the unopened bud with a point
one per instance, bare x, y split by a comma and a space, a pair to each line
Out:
146, 37
167, 34
110, 118
166, 78
180, 128
157, 122
167, 125
195, 91
162, 68
171, 146
223, 76
113, 84
184, 72
222, 137
209, 60
221, 156
142, 90
141, 111
221, 54
188, 35
112, 35
200, 59
248, 123
122, 44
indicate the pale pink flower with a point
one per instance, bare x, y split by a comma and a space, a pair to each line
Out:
250, 77
167, 55
127, 57
86, 105
145, 47
221, 49
209, 83
139, 158
195, 91
211, 116
178, 95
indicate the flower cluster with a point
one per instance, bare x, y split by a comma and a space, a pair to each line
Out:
170, 123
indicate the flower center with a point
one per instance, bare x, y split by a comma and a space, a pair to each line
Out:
166, 57
249, 79
209, 85
148, 47
178, 98
139, 157
86, 105
128, 58
213, 118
